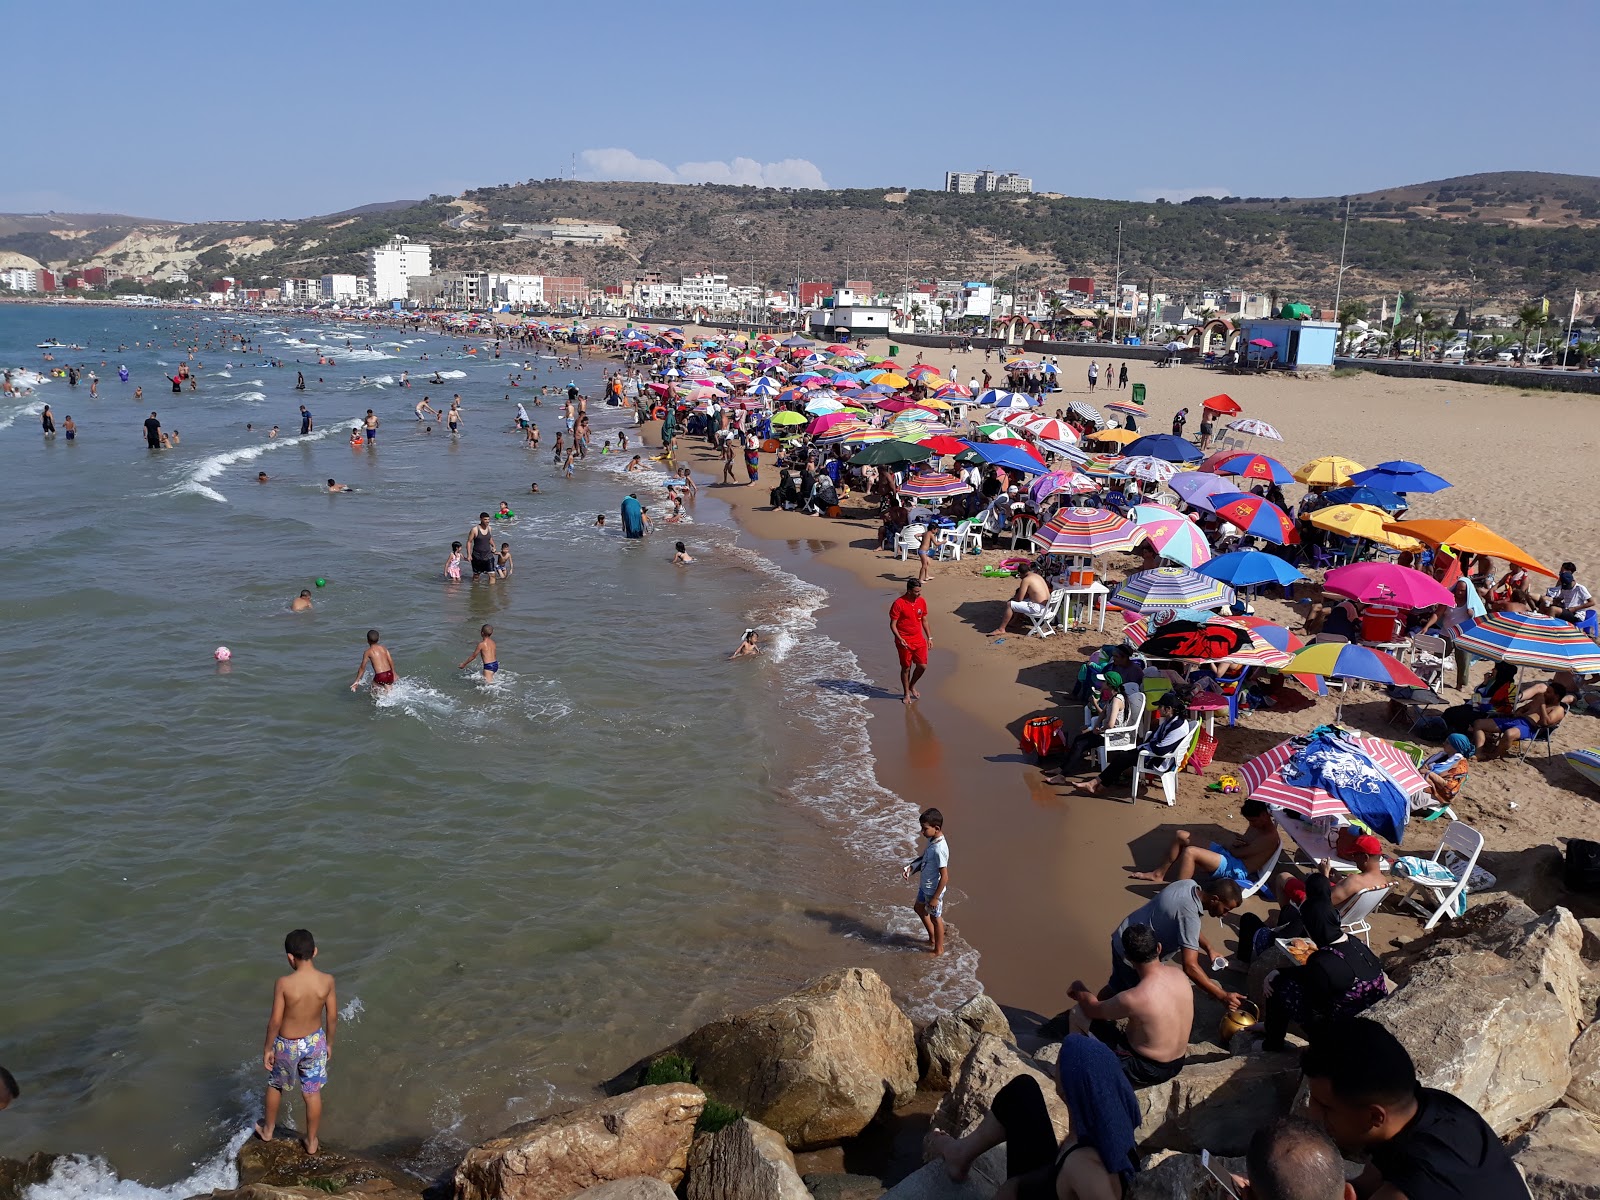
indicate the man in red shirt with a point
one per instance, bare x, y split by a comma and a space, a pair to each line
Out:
908, 620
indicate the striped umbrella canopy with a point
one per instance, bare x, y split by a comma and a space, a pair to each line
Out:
1139, 629
1256, 516
1347, 660
847, 431
1132, 410
1061, 481
765, 386
1169, 587
1105, 466
1530, 640
921, 369
1255, 428
1171, 534
1147, 469
959, 390
930, 485
1361, 764
1065, 450
1329, 470
1253, 466
1049, 427
1086, 531
1081, 408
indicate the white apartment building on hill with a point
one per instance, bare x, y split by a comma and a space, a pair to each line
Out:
392, 265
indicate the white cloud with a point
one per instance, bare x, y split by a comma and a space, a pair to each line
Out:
616, 163
1179, 194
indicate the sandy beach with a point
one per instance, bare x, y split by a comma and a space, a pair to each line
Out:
1040, 876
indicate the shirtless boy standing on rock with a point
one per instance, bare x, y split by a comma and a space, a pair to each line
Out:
299, 1036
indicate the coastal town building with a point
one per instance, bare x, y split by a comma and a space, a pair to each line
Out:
973, 182
566, 232
300, 291
391, 266
20, 279
341, 289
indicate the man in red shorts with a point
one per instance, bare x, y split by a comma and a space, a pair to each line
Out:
908, 619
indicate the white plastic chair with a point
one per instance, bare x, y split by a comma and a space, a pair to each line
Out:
1167, 767
1022, 530
909, 538
971, 532
1043, 624
947, 544
1361, 906
1126, 735
1458, 854
1429, 658
1263, 876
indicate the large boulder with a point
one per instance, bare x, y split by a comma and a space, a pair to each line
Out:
1181, 1177
1591, 938
645, 1132
1549, 949
640, 1187
743, 1161
818, 1065
943, 1044
19, 1174
1584, 1059
1216, 1103
1560, 1157
283, 1163
989, 1066
932, 1181
1479, 1026
843, 1187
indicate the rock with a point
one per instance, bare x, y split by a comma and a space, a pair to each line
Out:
1473, 1023
640, 1187
818, 1065
1560, 1157
932, 1182
1047, 1057
1483, 926
19, 1174
282, 1164
843, 1187
743, 1161
1216, 1105
1549, 949
989, 1066
1591, 938
645, 1132
944, 1043
1181, 1177
1584, 1059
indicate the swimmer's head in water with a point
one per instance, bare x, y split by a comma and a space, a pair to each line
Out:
372, 637
305, 593
331, 483
680, 547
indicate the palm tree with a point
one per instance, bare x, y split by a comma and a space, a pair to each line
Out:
1350, 312
1102, 315
1529, 318
916, 312
944, 311
1057, 306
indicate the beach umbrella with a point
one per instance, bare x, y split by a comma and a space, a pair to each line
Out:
1107, 465
1169, 587
822, 407
1348, 660
788, 418
1115, 437
1585, 762
1530, 640
1253, 466
848, 431
1081, 408
797, 341
1012, 400
1132, 410
1329, 470
1329, 775
1086, 531
1256, 516
943, 443
1361, 494
1401, 476
1013, 456
921, 369
958, 390
991, 396
828, 421
1064, 449
1050, 428
1194, 635
1164, 445
1255, 428
1361, 521
1471, 537
1147, 469
931, 485
1221, 403
1196, 486
1250, 568
1388, 583
889, 379
1171, 534
884, 453
1061, 481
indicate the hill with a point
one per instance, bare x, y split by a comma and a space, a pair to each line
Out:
1506, 234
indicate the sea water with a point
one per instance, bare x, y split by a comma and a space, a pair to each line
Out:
521, 887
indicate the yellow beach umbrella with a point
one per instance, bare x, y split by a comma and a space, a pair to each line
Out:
890, 379
1330, 470
1120, 436
1362, 521
933, 403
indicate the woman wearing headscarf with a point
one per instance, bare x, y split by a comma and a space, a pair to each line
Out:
1340, 979
1098, 1159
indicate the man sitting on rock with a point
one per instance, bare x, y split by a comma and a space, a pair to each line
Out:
1422, 1143
1174, 915
1159, 1010
1292, 1159
1242, 861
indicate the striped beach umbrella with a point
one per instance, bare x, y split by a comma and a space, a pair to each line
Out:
1091, 414
1346, 660
1585, 762
1253, 466
1086, 531
1283, 776
1169, 588
1255, 428
1256, 516
930, 485
1171, 534
1061, 481
1105, 466
1530, 640
1147, 469
1049, 427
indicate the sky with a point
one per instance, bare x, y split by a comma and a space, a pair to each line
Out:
192, 111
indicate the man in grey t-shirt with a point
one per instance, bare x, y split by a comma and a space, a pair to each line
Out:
1174, 913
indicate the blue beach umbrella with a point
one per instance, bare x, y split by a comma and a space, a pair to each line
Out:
1362, 494
1249, 568
1002, 455
1163, 445
1401, 476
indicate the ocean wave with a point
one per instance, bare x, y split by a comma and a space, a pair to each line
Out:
222, 374
8, 419
250, 397
81, 1177
208, 469
451, 374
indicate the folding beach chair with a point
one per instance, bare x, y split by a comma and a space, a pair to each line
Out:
1444, 877
1361, 906
1043, 623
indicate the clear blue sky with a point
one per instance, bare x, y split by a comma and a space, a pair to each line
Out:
212, 111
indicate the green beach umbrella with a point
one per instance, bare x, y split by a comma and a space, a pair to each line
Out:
883, 453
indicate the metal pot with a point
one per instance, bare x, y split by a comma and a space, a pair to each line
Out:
1237, 1021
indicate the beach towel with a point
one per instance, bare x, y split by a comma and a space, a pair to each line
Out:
1040, 735
1351, 778
1426, 868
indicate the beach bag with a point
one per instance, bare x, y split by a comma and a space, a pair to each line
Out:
1581, 872
1040, 735
1205, 749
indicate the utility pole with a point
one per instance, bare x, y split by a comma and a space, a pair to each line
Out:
1338, 287
1116, 287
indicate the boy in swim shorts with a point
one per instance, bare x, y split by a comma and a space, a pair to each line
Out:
299, 1036
933, 868
379, 659
487, 652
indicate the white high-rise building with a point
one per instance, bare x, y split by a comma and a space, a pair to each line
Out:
394, 263
20, 279
986, 181
341, 288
